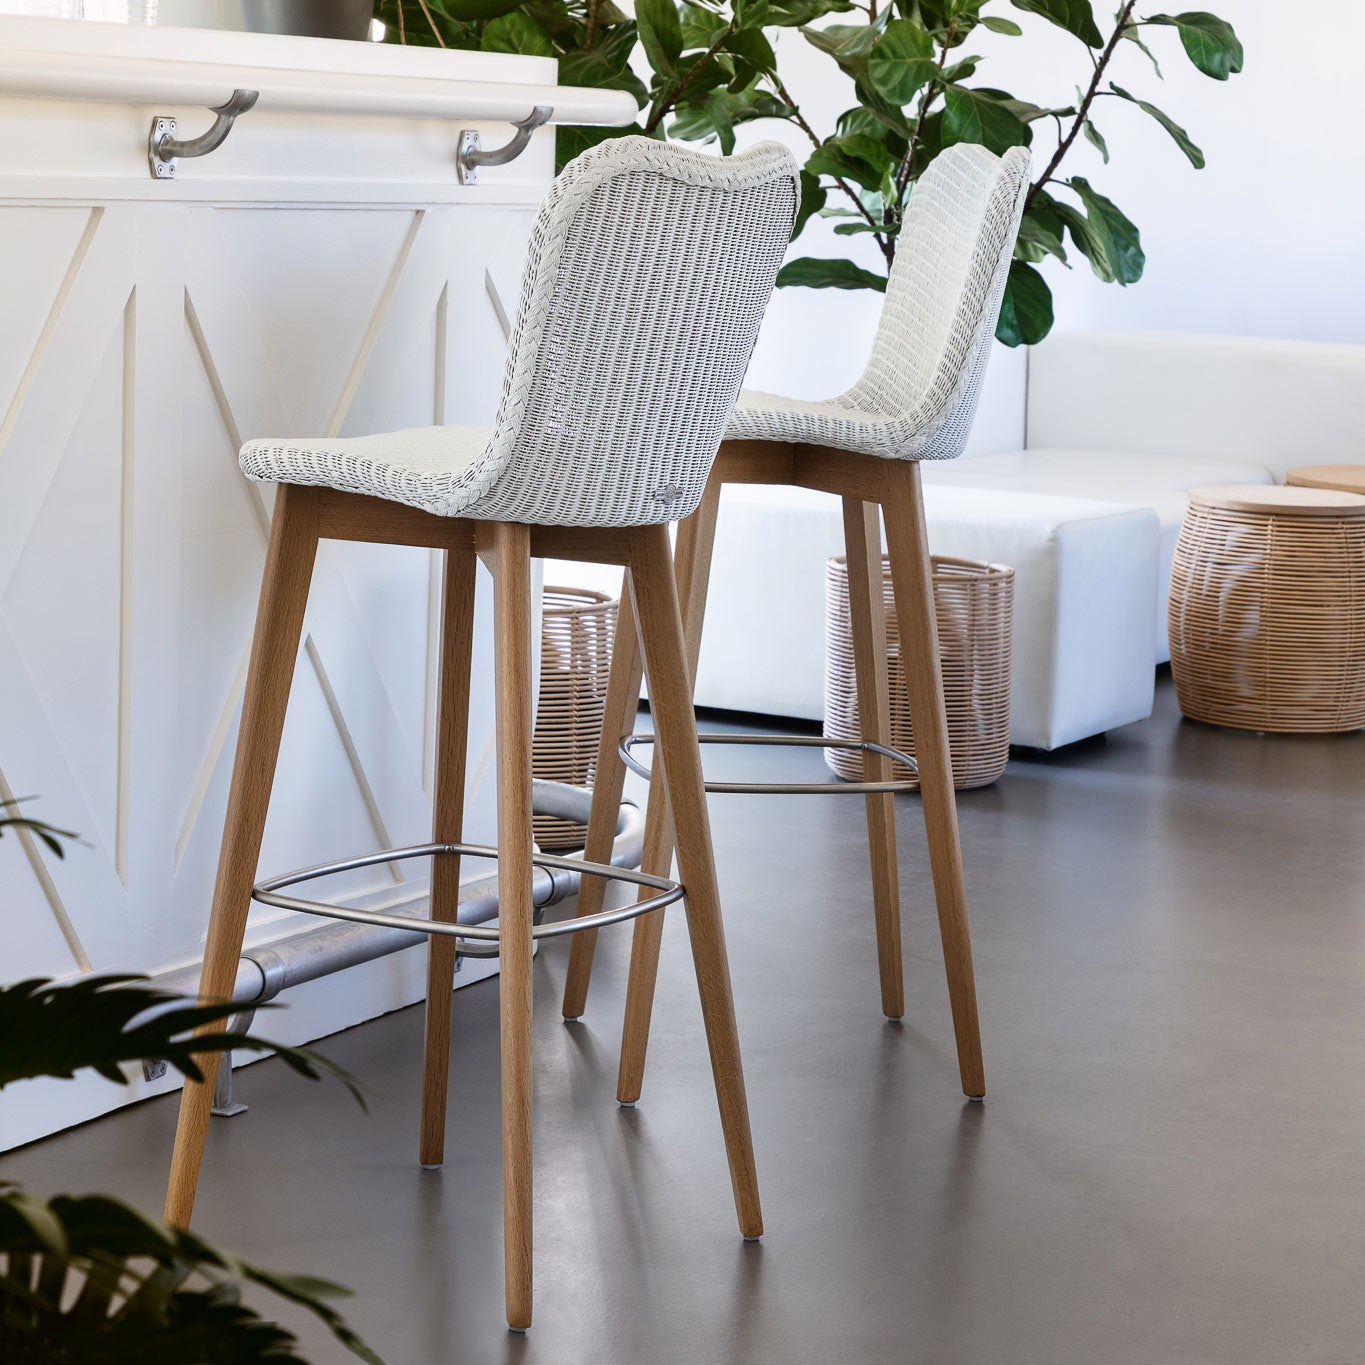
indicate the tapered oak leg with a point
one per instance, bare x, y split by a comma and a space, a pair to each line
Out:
512, 649
908, 545
670, 690
863, 543
447, 826
609, 776
279, 624
692, 573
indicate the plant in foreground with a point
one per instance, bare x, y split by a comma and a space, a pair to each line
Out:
89, 1280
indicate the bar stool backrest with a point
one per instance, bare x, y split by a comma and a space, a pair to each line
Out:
943, 299
645, 283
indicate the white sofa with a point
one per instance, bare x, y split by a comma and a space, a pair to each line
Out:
1117, 426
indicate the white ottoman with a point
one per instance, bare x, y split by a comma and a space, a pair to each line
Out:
1085, 620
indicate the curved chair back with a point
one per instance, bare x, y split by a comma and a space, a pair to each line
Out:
943, 298
645, 283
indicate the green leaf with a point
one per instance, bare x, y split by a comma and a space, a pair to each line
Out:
1130, 32
1104, 235
1209, 41
604, 67
1026, 309
974, 116
1178, 134
1040, 234
517, 32
854, 229
813, 196
795, 13
148, 1293
701, 27
1096, 139
1075, 16
461, 11
823, 274
857, 157
99, 1022
697, 121
750, 14
660, 34
902, 61
1006, 26
849, 44
754, 48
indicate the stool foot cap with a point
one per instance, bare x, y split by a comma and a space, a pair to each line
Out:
977, 1099
626, 1104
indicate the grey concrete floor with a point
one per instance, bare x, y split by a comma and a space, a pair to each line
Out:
1169, 1167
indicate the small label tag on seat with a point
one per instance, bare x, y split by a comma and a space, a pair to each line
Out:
670, 492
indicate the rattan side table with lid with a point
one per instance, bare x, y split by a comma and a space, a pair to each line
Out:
1267, 609
1346, 478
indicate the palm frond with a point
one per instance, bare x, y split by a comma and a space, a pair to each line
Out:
112, 1287
98, 1022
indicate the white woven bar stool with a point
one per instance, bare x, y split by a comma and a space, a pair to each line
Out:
645, 283
915, 401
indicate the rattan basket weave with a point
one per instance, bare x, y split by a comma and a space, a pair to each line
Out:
974, 602
576, 634
1267, 609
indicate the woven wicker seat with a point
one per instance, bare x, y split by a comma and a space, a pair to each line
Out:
915, 401
645, 282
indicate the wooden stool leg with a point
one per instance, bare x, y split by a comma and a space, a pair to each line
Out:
447, 826
692, 573
512, 648
274, 647
911, 577
863, 542
609, 776
661, 632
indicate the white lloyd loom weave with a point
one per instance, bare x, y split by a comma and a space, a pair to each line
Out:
915, 401
619, 381
648, 273
917, 396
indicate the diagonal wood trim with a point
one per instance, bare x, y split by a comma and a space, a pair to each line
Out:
49, 888
495, 298
362, 357
123, 759
54, 313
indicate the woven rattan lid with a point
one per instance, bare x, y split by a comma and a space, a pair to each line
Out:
1349, 478
1279, 500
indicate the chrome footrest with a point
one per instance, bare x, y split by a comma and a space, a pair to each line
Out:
471, 940
788, 788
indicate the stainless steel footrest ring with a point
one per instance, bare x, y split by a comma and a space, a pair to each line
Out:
471, 940
788, 742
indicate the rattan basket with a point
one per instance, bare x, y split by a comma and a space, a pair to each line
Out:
576, 634
1267, 609
974, 602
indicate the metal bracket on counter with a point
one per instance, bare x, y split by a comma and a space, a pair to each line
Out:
163, 147
471, 154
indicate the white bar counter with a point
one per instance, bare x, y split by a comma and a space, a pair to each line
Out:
321, 272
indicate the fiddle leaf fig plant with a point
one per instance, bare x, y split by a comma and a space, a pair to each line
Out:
701, 68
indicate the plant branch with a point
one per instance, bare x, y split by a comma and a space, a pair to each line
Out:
1083, 112
907, 167
887, 249
590, 32
430, 20
664, 106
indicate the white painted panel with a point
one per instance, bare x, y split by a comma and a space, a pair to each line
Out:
149, 340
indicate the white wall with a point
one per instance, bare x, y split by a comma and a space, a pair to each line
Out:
1262, 242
